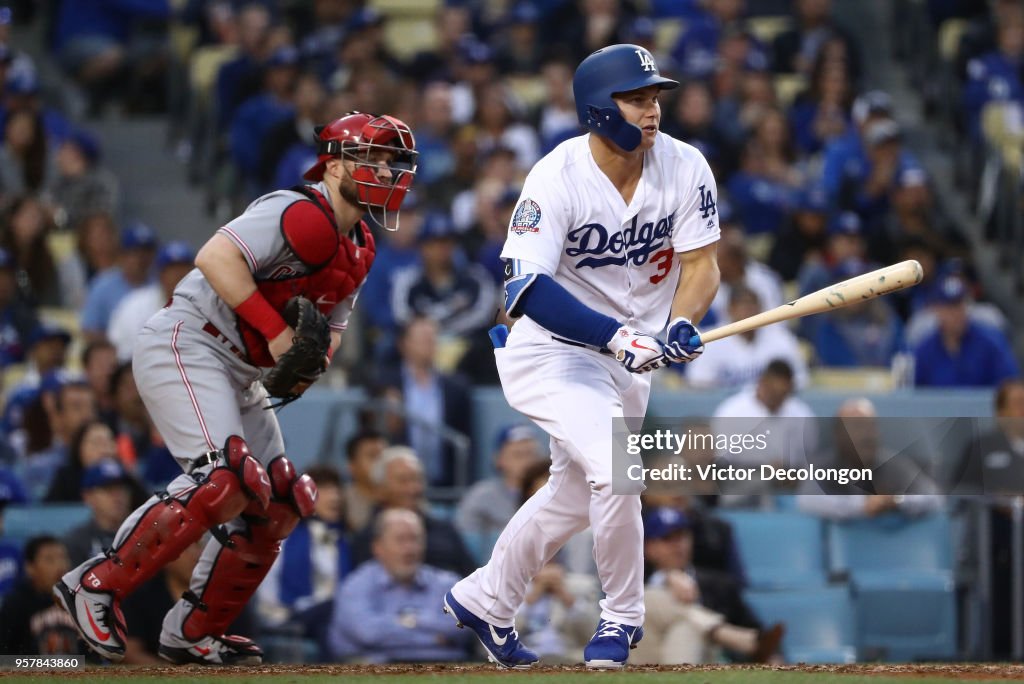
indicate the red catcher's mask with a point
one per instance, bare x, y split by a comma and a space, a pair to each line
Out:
384, 151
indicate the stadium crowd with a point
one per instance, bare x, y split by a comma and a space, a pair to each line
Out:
817, 183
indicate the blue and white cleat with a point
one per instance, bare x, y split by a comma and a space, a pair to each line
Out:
609, 647
502, 643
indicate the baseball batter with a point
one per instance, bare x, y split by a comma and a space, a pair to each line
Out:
613, 237
198, 366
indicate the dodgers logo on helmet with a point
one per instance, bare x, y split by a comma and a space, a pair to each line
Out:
527, 217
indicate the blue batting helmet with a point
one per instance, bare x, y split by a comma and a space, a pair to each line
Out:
611, 70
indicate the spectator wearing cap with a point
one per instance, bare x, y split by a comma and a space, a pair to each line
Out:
386, 610
995, 76
30, 622
803, 237
488, 505
64, 404
689, 610
962, 352
17, 318
432, 402
846, 252
740, 359
106, 490
855, 177
173, 262
11, 492
696, 52
863, 334
257, 116
924, 319
47, 353
461, 298
86, 188
138, 248
475, 69
796, 50
28, 224
20, 92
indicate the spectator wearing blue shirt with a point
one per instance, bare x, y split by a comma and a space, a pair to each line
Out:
259, 115
962, 353
386, 610
17, 318
846, 166
133, 270
10, 554
995, 76
696, 52
300, 587
97, 40
239, 79
821, 114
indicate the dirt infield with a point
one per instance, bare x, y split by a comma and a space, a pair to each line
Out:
711, 673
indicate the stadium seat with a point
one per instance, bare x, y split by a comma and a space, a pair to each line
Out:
950, 35
892, 543
666, 34
905, 616
788, 86
407, 8
24, 522
405, 37
902, 573
779, 550
863, 379
819, 622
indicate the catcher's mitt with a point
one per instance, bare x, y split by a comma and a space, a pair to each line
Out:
303, 363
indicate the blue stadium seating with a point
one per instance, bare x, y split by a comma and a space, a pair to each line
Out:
892, 542
903, 616
24, 522
820, 623
902, 574
780, 550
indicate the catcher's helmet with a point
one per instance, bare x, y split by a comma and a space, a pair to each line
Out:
358, 136
611, 70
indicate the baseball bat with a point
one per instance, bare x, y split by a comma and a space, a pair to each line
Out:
858, 289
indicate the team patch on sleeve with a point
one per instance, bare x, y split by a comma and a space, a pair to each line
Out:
527, 217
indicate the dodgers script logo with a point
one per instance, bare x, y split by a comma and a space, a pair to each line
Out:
635, 244
527, 217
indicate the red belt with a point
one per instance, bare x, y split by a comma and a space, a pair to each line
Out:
221, 337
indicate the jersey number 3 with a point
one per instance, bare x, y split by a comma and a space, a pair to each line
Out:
663, 259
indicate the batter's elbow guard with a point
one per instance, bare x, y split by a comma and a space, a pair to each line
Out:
516, 285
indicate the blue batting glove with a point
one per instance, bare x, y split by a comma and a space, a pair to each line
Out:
682, 343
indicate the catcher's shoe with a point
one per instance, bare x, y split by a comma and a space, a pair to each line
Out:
609, 647
210, 650
97, 615
502, 643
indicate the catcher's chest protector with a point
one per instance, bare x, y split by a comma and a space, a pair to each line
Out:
335, 266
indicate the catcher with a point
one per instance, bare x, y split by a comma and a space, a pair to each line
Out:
272, 289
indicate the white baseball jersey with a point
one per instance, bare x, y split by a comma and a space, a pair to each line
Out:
572, 223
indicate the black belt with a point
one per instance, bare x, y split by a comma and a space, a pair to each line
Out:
221, 337
204, 460
573, 343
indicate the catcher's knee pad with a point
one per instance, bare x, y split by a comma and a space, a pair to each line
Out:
167, 524
247, 554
